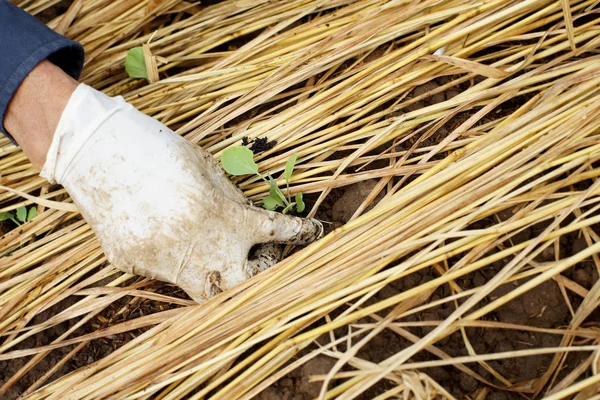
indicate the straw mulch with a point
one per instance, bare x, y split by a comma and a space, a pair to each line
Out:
475, 124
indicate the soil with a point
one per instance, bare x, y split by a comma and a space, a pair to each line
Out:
542, 307
259, 145
125, 309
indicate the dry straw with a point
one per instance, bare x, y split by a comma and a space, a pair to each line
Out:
332, 80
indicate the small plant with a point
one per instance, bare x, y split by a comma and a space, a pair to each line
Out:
135, 64
140, 63
20, 216
239, 160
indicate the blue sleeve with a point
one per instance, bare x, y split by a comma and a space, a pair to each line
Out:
24, 43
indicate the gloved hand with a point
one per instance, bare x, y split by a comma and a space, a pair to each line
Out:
160, 206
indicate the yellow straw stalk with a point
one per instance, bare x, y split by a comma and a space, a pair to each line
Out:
515, 148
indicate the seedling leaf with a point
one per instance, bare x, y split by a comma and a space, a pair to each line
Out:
239, 160
288, 208
135, 65
22, 214
289, 167
300, 206
32, 213
275, 193
270, 203
5, 216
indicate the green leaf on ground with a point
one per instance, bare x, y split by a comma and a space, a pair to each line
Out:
5, 216
289, 167
300, 206
270, 203
32, 213
22, 214
135, 65
276, 193
239, 160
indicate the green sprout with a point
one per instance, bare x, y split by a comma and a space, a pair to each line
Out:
20, 216
135, 64
239, 160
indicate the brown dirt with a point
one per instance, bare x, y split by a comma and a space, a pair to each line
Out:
125, 309
542, 307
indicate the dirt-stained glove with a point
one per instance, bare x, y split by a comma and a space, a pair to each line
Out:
160, 206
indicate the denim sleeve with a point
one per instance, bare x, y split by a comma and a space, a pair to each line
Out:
24, 43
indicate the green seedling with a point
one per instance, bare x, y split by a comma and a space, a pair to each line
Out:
135, 64
239, 160
20, 216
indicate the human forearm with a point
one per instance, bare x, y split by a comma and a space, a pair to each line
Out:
34, 111
24, 45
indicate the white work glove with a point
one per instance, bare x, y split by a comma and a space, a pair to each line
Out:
160, 206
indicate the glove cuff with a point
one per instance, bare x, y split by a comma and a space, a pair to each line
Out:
86, 110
